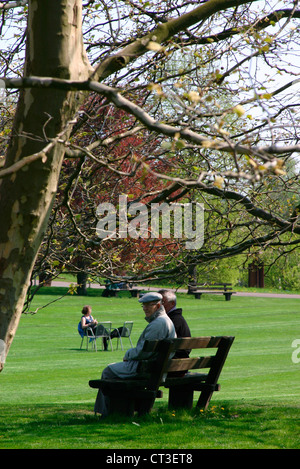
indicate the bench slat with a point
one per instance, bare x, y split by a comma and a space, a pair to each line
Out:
213, 288
195, 342
122, 384
227, 294
190, 378
198, 289
210, 284
189, 363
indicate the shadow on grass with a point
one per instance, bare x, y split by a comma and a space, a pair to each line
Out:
75, 426
90, 292
59, 291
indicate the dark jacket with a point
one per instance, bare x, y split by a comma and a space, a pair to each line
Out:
182, 330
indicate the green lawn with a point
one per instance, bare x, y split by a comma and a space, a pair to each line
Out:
45, 400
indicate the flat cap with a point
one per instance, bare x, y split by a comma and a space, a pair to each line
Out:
151, 296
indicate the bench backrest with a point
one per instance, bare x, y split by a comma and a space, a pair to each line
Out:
211, 286
165, 349
161, 350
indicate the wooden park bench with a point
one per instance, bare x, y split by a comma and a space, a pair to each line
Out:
198, 289
112, 288
139, 394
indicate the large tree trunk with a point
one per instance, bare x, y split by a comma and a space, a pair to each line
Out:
54, 49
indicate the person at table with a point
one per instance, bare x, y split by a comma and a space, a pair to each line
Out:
159, 327
87, 320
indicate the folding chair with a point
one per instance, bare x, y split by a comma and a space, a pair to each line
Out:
90, 338
103, 330
125, 331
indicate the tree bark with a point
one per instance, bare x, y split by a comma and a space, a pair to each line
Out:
54, 48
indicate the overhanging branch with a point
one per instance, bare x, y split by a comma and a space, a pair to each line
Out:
113, 95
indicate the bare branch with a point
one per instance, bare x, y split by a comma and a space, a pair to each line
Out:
161, 34
113, 95
36, 156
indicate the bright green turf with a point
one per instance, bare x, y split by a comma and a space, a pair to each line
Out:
44, 385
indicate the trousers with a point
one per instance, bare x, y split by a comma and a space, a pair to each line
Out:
119, 370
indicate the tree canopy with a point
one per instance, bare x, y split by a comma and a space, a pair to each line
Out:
173, 102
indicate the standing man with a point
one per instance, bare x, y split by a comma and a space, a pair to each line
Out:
160, 327
175, 314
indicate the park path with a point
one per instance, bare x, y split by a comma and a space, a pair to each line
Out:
182, 290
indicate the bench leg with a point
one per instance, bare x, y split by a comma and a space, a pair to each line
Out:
198, 296
144, 406
204, 399
127, 405
121, 406
180, 398
134, 293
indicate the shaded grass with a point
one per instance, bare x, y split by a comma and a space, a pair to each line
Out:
45, 400
235, 426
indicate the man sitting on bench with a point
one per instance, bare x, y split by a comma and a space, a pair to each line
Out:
175, 314
160, 327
